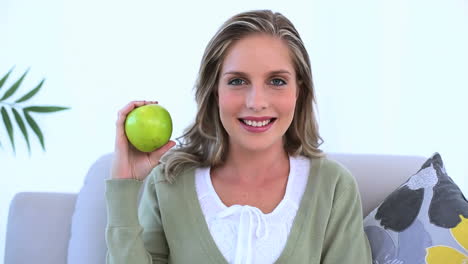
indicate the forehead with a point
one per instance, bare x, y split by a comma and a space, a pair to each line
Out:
258, 53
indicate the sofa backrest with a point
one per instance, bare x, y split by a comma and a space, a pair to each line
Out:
376, 175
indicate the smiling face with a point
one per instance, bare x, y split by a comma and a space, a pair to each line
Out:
257, 93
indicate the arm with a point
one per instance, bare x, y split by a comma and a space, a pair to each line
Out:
345, 240
130, 240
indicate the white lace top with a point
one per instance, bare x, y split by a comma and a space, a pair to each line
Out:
243, 233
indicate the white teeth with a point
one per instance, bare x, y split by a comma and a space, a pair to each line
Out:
255, 123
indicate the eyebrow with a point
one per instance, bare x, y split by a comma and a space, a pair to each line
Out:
243, 73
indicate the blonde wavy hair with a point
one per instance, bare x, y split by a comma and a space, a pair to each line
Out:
205, 142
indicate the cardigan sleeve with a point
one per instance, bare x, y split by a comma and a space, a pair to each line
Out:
134, 233
345, 239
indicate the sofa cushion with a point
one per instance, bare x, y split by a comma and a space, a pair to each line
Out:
38, 227
89, 218
87, 240
422, 221
391, 171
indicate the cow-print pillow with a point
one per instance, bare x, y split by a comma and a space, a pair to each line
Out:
424, 221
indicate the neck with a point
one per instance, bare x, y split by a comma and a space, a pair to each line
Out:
249, 166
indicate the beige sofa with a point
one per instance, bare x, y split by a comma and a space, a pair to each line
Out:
58, 228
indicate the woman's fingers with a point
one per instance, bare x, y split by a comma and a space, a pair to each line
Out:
128, 162
122, 116
156, 155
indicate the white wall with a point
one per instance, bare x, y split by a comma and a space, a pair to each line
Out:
391, 77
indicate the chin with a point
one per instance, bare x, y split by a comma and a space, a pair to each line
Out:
256, 144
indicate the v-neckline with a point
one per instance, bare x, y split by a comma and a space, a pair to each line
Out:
206, 240
279, 206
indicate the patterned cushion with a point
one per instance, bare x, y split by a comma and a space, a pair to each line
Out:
424, 221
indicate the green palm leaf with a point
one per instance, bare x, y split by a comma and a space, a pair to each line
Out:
20, 119
44, 109
21, 125
9, 127
31, 93
34, 127
2, 81
14, 87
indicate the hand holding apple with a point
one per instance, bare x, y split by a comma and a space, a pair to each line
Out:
148, 127
129, 162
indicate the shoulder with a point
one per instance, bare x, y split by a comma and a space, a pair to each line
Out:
181, 184
157, 174
159, 178
333, 177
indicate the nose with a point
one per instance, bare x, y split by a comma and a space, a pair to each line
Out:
256, 99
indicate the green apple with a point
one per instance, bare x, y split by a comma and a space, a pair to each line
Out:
148, 127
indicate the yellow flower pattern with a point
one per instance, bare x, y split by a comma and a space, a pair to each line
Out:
449, 255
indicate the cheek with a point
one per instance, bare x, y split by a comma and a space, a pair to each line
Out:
227, 102
287, 105
222, 100
227, 106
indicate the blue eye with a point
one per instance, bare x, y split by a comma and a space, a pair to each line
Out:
275, 82
232, 81
284, 83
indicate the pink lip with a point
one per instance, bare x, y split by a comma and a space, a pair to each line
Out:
253, 118
256, 129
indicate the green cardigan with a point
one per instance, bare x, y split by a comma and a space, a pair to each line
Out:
168, 225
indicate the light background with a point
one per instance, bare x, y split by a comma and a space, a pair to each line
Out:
391, 76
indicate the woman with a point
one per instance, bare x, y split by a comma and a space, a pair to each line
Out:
248, 183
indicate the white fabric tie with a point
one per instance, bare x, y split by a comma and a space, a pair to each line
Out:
247, 216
